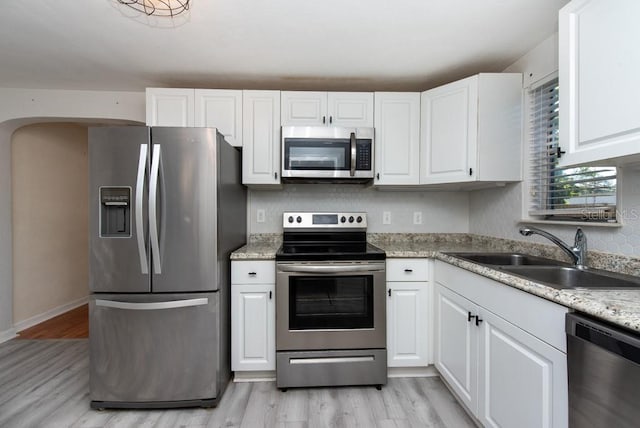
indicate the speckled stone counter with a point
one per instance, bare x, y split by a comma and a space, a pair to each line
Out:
620, 307
259, 247
616, 306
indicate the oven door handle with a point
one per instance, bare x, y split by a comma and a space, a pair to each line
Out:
329, 269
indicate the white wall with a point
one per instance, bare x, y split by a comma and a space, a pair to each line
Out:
497, 212
441, 211
19, 107
50, 219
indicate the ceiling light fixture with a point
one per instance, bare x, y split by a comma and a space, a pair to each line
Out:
169, 8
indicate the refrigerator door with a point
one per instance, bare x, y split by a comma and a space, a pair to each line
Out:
183, 209
118, 188
153, 350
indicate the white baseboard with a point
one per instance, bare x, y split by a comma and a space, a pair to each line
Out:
412, 371
254, 376
37, 319
7, 335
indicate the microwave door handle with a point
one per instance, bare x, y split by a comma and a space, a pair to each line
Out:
353, 154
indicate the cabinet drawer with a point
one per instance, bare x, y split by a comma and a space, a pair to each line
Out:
253, 272
407, 270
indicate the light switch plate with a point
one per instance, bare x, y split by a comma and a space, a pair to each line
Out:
417, 217
386, 217
260, 216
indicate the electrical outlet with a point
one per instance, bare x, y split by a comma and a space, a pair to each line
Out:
386, 217
260, 216
417, 217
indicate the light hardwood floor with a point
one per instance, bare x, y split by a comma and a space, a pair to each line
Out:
45, 383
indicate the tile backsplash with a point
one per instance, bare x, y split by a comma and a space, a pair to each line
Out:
440, 211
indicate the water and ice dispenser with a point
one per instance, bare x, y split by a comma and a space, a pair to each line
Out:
115, 212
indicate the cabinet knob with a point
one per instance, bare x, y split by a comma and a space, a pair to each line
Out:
469, 316
275, 175
389, 292
478, 320
330, 119
252, 274
408, 270
470, 171
270, 294
378, 176
324, 119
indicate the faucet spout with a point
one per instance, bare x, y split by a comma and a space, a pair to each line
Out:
578, 252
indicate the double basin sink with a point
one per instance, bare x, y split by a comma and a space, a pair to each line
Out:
552, 272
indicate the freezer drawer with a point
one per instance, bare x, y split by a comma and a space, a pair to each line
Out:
154, 350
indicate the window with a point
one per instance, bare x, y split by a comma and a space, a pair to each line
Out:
571, 194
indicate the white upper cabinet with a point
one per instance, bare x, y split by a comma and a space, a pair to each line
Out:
302, 108
261, 137
471, 130
170, 107
222, 109
209, 108
599, 65
397, 138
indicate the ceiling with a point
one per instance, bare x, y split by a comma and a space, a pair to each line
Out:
278, 44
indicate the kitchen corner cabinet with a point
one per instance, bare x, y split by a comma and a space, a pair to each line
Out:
261, 137
598, 75
170, 107
209, 108
306, 108
408, 309
253, 316
501, 350
397, 139
471, 130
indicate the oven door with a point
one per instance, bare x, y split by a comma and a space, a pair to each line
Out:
330, 305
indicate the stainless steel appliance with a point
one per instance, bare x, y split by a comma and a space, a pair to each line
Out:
604, 374
325, 153
330, 303
166, 210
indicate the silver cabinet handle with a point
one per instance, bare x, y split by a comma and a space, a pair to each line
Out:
353, 154
153, 210
142, 250
329, 269
152, 305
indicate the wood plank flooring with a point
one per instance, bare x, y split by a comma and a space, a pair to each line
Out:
73, 324
45, 383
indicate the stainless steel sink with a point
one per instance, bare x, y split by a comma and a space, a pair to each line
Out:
569, 277
553, 273
504, 259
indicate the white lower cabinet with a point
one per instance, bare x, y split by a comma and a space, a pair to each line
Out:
408, 309
253, 316
505, 375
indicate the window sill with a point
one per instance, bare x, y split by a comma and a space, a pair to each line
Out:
570, 223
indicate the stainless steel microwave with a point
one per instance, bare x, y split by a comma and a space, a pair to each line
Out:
326, 153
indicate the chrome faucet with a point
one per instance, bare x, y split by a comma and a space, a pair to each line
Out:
578, 252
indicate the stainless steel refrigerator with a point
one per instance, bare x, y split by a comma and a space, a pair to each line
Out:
167, 207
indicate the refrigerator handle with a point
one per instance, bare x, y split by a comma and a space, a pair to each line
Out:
148, 306
153, 210
142, 251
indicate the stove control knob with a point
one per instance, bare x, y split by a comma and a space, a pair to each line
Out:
290, 219
299, 219
343, 219
351, 219
359, 219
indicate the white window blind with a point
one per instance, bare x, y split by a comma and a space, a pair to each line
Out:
572, 194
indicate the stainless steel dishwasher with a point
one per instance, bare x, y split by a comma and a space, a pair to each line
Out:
604, 374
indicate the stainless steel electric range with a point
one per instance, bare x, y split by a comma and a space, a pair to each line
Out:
330, 303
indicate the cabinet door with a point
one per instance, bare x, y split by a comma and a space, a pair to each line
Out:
253, 327
407, 324
351, 109
261, 137
449, 132
170, 107
397, 143
456, 344
222, 109
598, 73
515, 364
304, 108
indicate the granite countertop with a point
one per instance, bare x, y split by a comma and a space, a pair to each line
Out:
621, 307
